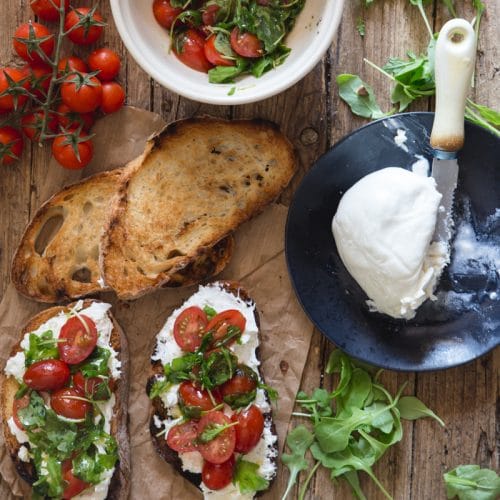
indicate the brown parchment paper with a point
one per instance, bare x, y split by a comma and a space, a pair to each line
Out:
258, 263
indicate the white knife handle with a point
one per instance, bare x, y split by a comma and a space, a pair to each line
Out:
454, 64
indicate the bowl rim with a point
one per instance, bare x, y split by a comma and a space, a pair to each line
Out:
335, 8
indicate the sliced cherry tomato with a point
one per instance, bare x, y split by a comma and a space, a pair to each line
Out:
32, 124
188, 47
182, 437
246, 44
11, 145
209, 15
213, 55
189, 327
72, 63
17, 405
194, 397
240, 390
249, 428
220, 323
48, 9
87, 385
25, 38
69, 402
80, 339
71, 119
47, 375
164, 13
107, 62
218, 476
63, 149
219, 449
20, 79
113, 97
81, 93
87, 34
74, 485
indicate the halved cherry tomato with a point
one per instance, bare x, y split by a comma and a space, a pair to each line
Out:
17, 405
190, 395
8, 101
71, 119
219, 324
74, 484
209, 15
47, 375
106, 61
219, 449
81, 96
80, 340
69, 403
83, 35
113, 97
189, 327
182, 437
72, 63
88, 386
48, 9
214, 56
218, 476
188, 48
249, 428
24, 36
164, 13
246, 44
11, 145
243, 382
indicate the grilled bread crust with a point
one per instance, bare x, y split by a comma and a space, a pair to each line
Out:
120, 483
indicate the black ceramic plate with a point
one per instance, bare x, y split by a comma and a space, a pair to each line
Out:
464, 322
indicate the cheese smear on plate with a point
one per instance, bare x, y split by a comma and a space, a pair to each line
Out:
383, 230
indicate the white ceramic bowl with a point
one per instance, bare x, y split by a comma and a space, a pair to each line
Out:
149, 44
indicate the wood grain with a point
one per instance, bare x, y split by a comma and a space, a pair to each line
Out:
314, 118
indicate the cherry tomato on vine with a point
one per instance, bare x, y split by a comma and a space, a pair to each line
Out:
214, 56
72, 63
113, 97
39, 78
74, 485
28, 37
68, 402
218, 476
63, 149
209, 15
17, 405
20, 79
106, 61
11, 145
80, 336
219, 449
47, 375
48, 9
246, 44
164, 13
69, 119
189, 327
182, 437
32, 124
87, 34
81, 93
249, 428
188, 47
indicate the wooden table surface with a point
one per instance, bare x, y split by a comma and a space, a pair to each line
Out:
314, 118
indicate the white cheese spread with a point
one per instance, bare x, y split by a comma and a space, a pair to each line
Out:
23, 454
21, 436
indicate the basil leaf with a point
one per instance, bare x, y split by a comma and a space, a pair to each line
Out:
247, 478
470, 482
41, 347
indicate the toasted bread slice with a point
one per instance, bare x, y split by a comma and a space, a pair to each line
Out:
120, 483
265, 452
57, 258
197, 181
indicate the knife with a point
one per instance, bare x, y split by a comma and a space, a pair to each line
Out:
454, 63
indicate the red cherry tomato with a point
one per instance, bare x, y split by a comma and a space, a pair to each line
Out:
28, 32
11, 145
79, 96
188, 47
32, 124
88, 386
70, 119
218, 476
17, 405
113, 97
48, 9
220, 323
182, 437
194, 396
164, 13
83, 35
7, 102
107, 62
241, 383
246, 44
64, 152
47, 375
72, 63
209, 15
74, 485
249, 428
80, 339
69, 403
39, 78
189, 327
213, 55
219, 449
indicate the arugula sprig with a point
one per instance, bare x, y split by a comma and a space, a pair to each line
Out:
470, 482
352, 426
41, 347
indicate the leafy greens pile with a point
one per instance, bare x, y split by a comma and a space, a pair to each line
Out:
413, 79
352, 426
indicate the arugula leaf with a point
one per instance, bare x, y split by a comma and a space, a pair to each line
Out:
298, 440
411, 408
227, 74
160, 386
247, 477
211, 431
34, 414
96, 365
470, 482
41, 347
23, 389
50, 482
